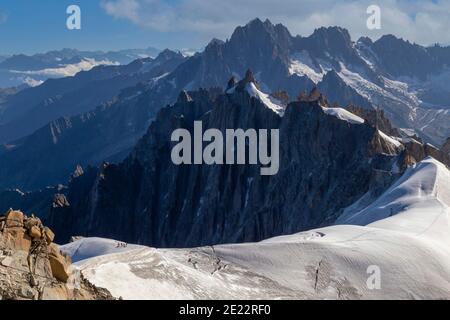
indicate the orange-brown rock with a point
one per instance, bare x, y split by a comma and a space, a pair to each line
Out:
33, 268
49, 235
35, 232
59, 264
14, 219
17, 239
30, 222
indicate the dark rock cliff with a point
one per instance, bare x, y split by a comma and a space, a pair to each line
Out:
325, 165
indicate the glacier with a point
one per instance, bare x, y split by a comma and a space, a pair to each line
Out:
404, 233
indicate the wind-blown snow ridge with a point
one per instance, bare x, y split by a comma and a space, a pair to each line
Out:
390, 140
94, 247
268, 101
411, 249
344, 115
421, 195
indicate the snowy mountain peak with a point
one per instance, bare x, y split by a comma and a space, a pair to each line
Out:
250, 85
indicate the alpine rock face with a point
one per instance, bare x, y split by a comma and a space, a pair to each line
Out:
329, 158
403, 234
30, 109
107, 132
406, 80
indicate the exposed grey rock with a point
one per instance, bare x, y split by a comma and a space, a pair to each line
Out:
325, 165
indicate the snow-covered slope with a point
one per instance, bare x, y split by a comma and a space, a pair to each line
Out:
400, 100
268, 101
411, 250
343, 115
419, 104
418, 203
301, 64
94, 247
391, 140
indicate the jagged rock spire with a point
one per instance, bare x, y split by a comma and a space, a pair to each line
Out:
184, 97
281, 96
303, 96
314, 94
249, 77
232, 82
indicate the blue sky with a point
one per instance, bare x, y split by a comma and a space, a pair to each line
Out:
30, 26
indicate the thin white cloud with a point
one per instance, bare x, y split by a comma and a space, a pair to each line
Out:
68, 70
420, 21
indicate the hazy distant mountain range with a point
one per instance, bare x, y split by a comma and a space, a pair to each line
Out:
32, 70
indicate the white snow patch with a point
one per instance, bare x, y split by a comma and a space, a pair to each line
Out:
93, 247
390, 139
270, 102
344, 115
32, 82
187, 53
301, 64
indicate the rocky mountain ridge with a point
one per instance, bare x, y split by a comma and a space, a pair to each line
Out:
157, 203
347, 72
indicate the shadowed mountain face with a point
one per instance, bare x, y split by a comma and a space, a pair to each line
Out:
51, 154
325, 165
406, 80
360, 73
30, 109
329, 159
